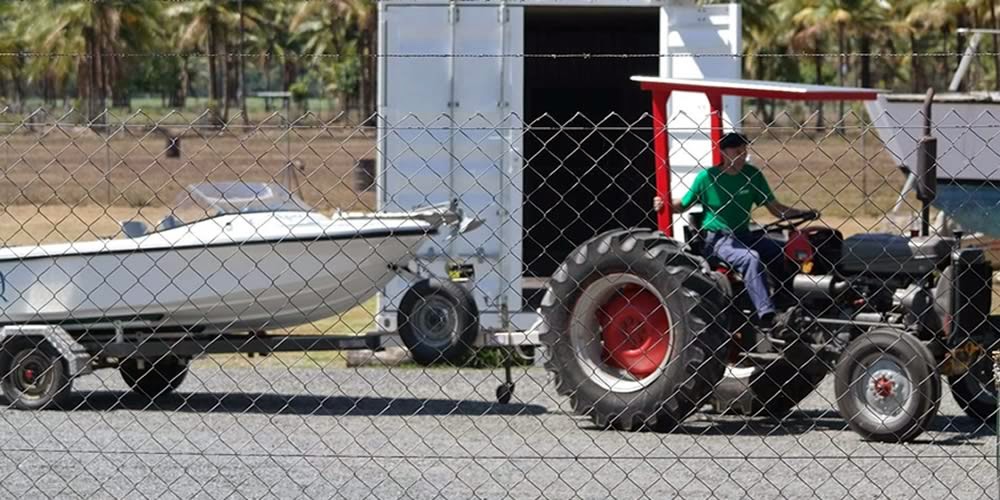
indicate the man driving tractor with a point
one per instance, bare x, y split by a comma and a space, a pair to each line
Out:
728, 193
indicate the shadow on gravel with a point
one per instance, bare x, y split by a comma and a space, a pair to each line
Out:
797, 422
965, 430
281, 404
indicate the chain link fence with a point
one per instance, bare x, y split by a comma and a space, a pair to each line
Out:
319, 308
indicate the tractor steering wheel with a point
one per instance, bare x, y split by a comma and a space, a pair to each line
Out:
791, 222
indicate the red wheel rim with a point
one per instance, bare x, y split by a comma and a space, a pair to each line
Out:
884, 387
635, 331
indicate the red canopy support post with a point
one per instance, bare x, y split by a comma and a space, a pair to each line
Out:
661, 148
715, 89
715, 112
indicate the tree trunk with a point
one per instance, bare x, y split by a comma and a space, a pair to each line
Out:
842, 69
18, 92
267, 82
818, 59
213, 78
914, 65
758, 75
95, 86
288, 74
366, 111
888, 75
215, 74
225, 74
996, 43
866, 62
241, 68
943, 66
179, 99
960, 40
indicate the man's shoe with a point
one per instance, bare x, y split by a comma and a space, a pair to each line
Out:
766, 322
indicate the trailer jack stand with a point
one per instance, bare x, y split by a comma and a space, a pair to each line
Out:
505, 391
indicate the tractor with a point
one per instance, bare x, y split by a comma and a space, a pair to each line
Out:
642, 330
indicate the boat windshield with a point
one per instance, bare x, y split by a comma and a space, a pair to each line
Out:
211, 199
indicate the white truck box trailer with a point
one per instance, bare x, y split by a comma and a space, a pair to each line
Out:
470, 110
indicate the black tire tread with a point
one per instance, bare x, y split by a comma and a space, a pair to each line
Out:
703, 362
62, 388
157, 378
928, 384
468, 322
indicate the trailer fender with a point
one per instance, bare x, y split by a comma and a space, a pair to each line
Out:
76, 356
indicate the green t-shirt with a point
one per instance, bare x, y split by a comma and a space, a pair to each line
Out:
728, 199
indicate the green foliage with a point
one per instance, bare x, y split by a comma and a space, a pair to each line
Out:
496, 357
300, 91
324, 48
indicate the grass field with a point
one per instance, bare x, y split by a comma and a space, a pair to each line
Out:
70, 184
314, 110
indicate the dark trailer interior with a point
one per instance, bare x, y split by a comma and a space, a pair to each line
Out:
589, 160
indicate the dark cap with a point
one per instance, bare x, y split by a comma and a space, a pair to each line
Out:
733, 140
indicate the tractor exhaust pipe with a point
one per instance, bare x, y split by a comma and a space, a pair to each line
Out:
822, 287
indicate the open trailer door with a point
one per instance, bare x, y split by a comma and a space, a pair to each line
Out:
697, 39
453, 104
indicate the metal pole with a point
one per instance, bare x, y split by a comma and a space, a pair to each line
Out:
242, 93
996, 383
963, 66
925, 211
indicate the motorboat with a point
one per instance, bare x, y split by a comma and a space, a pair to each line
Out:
968, 161
253, 257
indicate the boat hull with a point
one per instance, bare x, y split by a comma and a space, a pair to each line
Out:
248, 285
968, 159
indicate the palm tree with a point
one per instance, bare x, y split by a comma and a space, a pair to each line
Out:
96, 31
343, 26
850, 17
276, 40
760, 35
804, 32
207, 22
11, 65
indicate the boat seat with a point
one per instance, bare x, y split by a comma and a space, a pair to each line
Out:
169, 222
133, 228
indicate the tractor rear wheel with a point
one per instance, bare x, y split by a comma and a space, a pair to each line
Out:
635, 331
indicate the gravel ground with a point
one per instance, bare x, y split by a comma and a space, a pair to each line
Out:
270, 431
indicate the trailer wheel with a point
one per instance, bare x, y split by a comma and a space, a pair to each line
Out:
438, 322
976, 392
887, 387
635, 330
770, 387
34, 375
154, 378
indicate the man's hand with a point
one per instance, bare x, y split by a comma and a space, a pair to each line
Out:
675, 206
794, 213
657, 204
786, 212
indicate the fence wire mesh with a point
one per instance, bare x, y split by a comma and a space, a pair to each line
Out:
482, 302
310, 308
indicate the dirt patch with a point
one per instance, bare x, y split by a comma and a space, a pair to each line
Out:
130, 168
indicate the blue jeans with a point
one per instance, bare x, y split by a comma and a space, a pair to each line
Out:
753, 255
